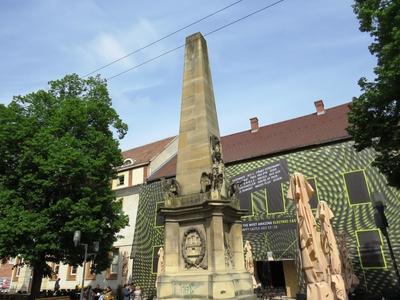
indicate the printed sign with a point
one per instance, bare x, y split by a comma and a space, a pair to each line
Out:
259, 178
268, 177
269, 225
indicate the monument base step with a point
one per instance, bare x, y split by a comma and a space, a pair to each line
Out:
225, 286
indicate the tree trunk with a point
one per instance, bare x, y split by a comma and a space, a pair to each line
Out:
37, 276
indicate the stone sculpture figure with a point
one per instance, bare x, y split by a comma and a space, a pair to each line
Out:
173, 188
249, 263
170, 187
218, 167
205, 182
216, 150
125, 260
234, 189
248, 258
160, 264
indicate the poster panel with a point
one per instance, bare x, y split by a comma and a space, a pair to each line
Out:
267, 177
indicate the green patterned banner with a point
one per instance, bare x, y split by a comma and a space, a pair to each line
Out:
339, 175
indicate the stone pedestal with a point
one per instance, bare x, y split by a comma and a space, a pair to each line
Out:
212, 266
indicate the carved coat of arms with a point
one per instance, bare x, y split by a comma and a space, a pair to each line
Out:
193, 249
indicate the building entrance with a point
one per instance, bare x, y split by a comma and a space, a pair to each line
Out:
272, 276
277, 278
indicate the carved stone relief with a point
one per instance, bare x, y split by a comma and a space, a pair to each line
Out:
193, 249
125, 260
228, 251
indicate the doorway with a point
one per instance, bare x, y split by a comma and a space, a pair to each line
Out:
277, 278
272, 277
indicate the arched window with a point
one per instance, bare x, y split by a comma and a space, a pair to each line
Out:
128, 161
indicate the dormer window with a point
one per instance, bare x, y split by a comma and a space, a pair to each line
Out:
128, 161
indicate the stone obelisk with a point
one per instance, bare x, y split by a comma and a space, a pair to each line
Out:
203, 245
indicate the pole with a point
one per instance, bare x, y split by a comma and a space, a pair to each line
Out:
83, 271
396, 269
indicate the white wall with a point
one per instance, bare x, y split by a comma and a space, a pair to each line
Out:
129, 206
137, 176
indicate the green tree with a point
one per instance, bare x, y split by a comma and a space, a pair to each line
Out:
375, 115
58, 150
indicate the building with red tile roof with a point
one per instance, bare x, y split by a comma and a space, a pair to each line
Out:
312, 130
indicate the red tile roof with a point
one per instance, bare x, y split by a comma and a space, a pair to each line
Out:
288, 135
305, 131
144, 154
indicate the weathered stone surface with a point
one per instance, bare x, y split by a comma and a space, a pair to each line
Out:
198, 116
203, 232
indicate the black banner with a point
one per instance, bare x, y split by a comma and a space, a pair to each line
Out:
270, 225
268, 177
259, 178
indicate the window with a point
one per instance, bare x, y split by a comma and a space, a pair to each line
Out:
89, 274
114, 262
71, 272
120, 180
370, 249
356, 186
159, 218
128, 161
246, 202
275, 201
112, 271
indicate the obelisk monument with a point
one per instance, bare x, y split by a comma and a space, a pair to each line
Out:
203, 245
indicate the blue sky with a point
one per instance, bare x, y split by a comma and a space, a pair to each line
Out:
273, 65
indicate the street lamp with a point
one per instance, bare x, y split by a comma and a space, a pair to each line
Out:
77, 241
382, 223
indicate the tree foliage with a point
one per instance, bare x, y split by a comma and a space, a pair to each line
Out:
57, 153
375, 115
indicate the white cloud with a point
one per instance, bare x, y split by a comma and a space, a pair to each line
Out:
110, 45
108, 48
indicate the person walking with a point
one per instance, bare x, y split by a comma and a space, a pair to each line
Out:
126, 291
57, 287
88, 293
97, 292
137, 293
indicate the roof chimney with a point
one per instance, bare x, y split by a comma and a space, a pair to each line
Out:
254, 124
319, 106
